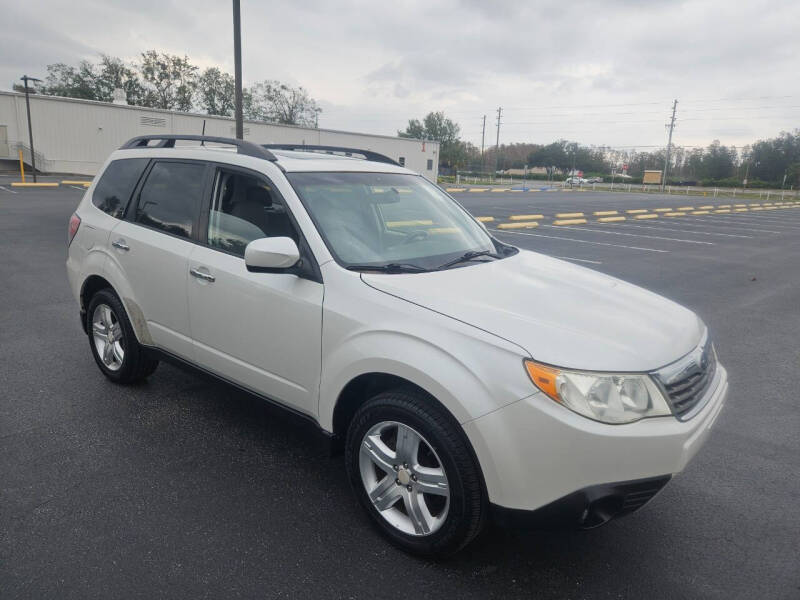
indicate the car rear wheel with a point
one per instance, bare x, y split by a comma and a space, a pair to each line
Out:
114, 346
411, 468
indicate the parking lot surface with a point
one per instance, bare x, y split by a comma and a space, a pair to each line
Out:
182, 488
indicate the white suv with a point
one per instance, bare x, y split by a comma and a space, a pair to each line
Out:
464, 377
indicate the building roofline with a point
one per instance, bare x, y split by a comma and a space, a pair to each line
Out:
207, 116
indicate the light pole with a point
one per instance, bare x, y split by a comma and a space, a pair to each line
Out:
237, 69
26, 79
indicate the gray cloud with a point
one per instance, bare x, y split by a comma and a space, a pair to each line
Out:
555, 66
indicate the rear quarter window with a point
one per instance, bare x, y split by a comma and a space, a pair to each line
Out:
113, 192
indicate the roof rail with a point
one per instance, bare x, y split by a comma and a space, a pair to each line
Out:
367, 154
168, 141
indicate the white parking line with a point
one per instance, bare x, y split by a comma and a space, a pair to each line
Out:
556, 237
719, 222
5, 189
759, 222
593, 262
692, 231
651, 237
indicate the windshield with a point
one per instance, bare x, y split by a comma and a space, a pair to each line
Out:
380, 219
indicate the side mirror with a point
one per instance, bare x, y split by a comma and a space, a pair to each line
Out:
271, 255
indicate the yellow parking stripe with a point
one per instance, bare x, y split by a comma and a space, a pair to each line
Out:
29, 184
636, 211
646, 217
610, 219
740, 210
685, 208
485, 219
723, 210
723, 205
756, 204
663, 209
675, 214
525, 217
601, 213
479, 190
520, 225
706, 207
499, 189
739, 205
757, 208
568, 215
701, 212
570, 222
76, 182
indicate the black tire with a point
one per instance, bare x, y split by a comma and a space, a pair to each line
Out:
136, 365
468, 504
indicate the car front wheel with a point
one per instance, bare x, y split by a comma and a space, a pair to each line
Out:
411, 468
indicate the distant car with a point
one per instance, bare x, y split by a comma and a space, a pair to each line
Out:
594, 180
575, 181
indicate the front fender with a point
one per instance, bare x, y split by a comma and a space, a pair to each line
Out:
469, 371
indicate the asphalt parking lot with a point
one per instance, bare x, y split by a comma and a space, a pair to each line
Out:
184, 488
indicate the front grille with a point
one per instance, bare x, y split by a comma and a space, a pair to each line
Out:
687, 380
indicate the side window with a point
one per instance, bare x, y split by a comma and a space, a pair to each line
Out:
170, 198
402, 161
430, 164
245, 208
113, 191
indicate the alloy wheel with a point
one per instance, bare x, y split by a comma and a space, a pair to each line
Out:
404, 478
108, 338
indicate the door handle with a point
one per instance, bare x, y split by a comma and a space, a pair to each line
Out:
121, 245
201, 275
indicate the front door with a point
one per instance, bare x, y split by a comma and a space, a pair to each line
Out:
260, 330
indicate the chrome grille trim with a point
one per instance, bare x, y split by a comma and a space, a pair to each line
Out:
686, 382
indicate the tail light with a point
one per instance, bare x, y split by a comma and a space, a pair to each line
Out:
74, 223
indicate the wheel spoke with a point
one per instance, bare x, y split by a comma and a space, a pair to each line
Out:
407, 444
385, 494
116, 331
432, 481
99, 329
117, 351
418, 512
106, 314
108, 353
379, 454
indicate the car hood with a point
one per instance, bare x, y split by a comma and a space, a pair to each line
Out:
558, 312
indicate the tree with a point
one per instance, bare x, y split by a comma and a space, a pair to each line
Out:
71, 82
215, 91
280, 103
113, 74
436, 126
170, 80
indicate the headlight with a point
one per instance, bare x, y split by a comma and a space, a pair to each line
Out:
606, 397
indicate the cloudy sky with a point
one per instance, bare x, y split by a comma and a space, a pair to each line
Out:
596, 72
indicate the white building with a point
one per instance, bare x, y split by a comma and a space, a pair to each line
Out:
76, 136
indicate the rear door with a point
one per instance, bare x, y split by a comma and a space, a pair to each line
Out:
260, 330
151, 248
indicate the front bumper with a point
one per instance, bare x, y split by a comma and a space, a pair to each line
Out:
535, 452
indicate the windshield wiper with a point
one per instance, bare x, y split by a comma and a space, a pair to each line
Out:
389, 268
466, 257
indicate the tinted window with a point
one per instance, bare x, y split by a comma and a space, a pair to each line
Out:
430, 164
170, 198
402, 161
113, 191
244, 209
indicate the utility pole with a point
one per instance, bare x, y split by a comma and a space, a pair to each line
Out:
483, 139
26, 79
237, 68
497, 145
669, 144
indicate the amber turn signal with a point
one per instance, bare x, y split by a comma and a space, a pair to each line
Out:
544, 378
